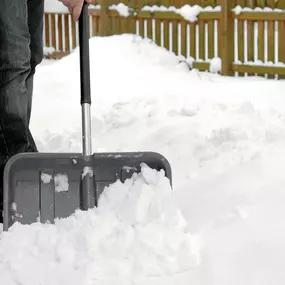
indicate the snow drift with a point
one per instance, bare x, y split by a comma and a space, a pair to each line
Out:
224, 138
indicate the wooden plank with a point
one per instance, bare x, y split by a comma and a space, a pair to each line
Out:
219, 38
211, 3
141, 27
94, 25
210, 16
132, 25
227, 37
193, 40
95, 12
203, 66
60, 32
66, 31
241, 40
118, 25
249, 3
258, 69
98, 25
53, 28
241, 3
73, 29
281, 4
250, 41
201, 39
211, 39
260, 3
255, 16
149, 28
158, 32
169, 15
112, 25
103, 19
175, 37
124, 27
260, 40
271, 3
281, 38
184, 38
215, 15
270, 43
166, 34
47, 25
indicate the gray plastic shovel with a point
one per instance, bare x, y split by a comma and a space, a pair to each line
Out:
45, 186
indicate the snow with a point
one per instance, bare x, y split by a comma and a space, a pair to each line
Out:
87, 171
56, 6
239, 9
188, 12
223, 221
215, 65
48, 50
122, 9
61, 183
136, 235
46, 178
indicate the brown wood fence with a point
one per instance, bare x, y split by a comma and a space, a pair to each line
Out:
250, 41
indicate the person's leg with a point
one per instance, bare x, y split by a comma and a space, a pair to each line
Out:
17, 66
14, 70
35, 24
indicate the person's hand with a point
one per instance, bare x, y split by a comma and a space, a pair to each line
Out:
75, 7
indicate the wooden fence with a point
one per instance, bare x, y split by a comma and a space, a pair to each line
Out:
248, 41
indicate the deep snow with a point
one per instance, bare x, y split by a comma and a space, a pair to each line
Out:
224, 138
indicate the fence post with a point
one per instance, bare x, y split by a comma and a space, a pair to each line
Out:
103, 26
227, 37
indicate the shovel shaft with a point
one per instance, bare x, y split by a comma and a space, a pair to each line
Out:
86, 130
84, 56
85, 80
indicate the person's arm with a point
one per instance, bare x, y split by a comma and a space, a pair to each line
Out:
75, 7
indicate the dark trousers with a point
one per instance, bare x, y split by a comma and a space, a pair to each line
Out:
21, 50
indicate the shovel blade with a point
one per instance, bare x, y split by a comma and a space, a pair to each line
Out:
40, 187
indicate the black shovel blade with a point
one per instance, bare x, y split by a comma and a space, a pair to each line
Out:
39, 187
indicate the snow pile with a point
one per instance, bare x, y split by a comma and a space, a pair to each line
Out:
136, 235
224, 138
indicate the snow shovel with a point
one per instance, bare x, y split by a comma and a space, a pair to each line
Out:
40, 187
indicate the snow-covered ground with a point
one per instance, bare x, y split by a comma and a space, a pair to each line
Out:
225, 139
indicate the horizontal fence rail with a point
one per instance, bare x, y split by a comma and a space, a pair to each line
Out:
248, 37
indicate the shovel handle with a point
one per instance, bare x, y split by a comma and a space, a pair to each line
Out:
84, 55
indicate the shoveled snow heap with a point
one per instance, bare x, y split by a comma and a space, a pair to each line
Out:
135, 236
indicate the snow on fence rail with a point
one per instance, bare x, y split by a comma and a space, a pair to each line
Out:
249, 41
